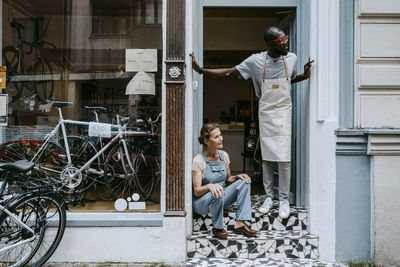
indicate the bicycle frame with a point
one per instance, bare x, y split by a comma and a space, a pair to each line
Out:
16, 220
61, 124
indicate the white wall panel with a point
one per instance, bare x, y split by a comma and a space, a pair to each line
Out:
379, 40
381, 7
379, 76
380, 111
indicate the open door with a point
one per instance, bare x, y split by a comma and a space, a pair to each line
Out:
230, 34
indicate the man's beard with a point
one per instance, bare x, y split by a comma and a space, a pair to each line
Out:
282, 52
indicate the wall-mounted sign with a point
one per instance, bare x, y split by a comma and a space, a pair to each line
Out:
141, 84
3, 109
141, 60
3, 77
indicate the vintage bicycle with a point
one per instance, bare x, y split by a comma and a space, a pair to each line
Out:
131, 158
32, 218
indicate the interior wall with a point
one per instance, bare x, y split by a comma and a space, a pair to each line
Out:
235, 33
220, 95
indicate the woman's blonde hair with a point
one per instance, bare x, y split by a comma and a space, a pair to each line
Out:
205, 132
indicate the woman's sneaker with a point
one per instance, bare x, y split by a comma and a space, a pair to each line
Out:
284, 209
266, 206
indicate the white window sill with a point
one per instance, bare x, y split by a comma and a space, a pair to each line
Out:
113, 219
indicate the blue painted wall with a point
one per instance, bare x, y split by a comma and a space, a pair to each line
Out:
353, 198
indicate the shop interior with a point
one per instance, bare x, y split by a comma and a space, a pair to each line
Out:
230, 36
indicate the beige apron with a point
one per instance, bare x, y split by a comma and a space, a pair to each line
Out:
275, 117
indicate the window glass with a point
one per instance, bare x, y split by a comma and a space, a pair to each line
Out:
68, 58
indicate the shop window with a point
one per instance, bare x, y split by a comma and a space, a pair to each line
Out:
52, 59
118, 17
111, 17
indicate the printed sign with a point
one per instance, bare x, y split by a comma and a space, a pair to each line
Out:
141, 84
3, 109
100, 129
141, 60
3, 77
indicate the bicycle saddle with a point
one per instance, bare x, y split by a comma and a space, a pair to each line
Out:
60, 104
20, 166
95, 108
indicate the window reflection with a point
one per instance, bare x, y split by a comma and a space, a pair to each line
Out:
75, 51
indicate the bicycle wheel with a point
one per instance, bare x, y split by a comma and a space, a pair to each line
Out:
11, 60
44, 84
45, 214
122, 181
49, 164
81, 151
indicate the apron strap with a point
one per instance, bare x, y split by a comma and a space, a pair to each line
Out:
286, 69
263, 69
284, 62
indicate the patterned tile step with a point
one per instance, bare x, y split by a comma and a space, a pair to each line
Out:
277, 244
264, 262
297, 220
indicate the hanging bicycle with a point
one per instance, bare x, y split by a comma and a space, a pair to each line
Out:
37, 77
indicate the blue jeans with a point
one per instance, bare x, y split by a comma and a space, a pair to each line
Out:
238, 191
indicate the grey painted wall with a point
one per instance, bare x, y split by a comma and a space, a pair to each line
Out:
353, 199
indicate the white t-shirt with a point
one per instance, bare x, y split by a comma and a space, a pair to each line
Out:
199, 164
252, 66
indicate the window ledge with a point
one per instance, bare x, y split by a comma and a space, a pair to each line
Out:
112, 219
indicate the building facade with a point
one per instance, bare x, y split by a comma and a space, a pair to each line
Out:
346, 132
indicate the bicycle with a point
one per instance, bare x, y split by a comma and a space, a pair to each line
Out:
32, 221
127, 167
146, 172
13, 59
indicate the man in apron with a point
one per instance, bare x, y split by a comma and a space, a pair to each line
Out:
272, 72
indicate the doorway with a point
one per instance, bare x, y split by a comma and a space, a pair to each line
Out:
230, 35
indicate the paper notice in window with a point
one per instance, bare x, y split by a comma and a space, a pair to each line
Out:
141, 84
141, 60
3, 109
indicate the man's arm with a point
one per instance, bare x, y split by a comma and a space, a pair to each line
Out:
307, 72
225, 72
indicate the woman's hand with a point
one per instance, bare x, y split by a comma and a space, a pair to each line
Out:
244, 177
195, 65
216, 190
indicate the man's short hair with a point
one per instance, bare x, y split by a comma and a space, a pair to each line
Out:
271, 33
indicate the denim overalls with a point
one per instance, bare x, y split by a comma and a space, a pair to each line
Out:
239, 191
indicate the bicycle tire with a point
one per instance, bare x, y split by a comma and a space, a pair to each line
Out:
43, 212
81, 151
11, 60
44, 86
121, 180
49, 164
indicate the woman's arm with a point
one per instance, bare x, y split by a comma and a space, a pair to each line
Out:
199, 190
231, 178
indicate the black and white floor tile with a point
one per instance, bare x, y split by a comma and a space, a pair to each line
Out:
270, 262
297, 220
279, 244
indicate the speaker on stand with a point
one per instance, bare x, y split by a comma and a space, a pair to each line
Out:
251, 134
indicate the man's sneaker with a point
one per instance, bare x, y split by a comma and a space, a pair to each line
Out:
284, 209
266, 206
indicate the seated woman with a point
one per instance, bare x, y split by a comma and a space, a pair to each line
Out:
210, 173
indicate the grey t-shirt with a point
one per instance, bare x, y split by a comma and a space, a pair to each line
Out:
274, 68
